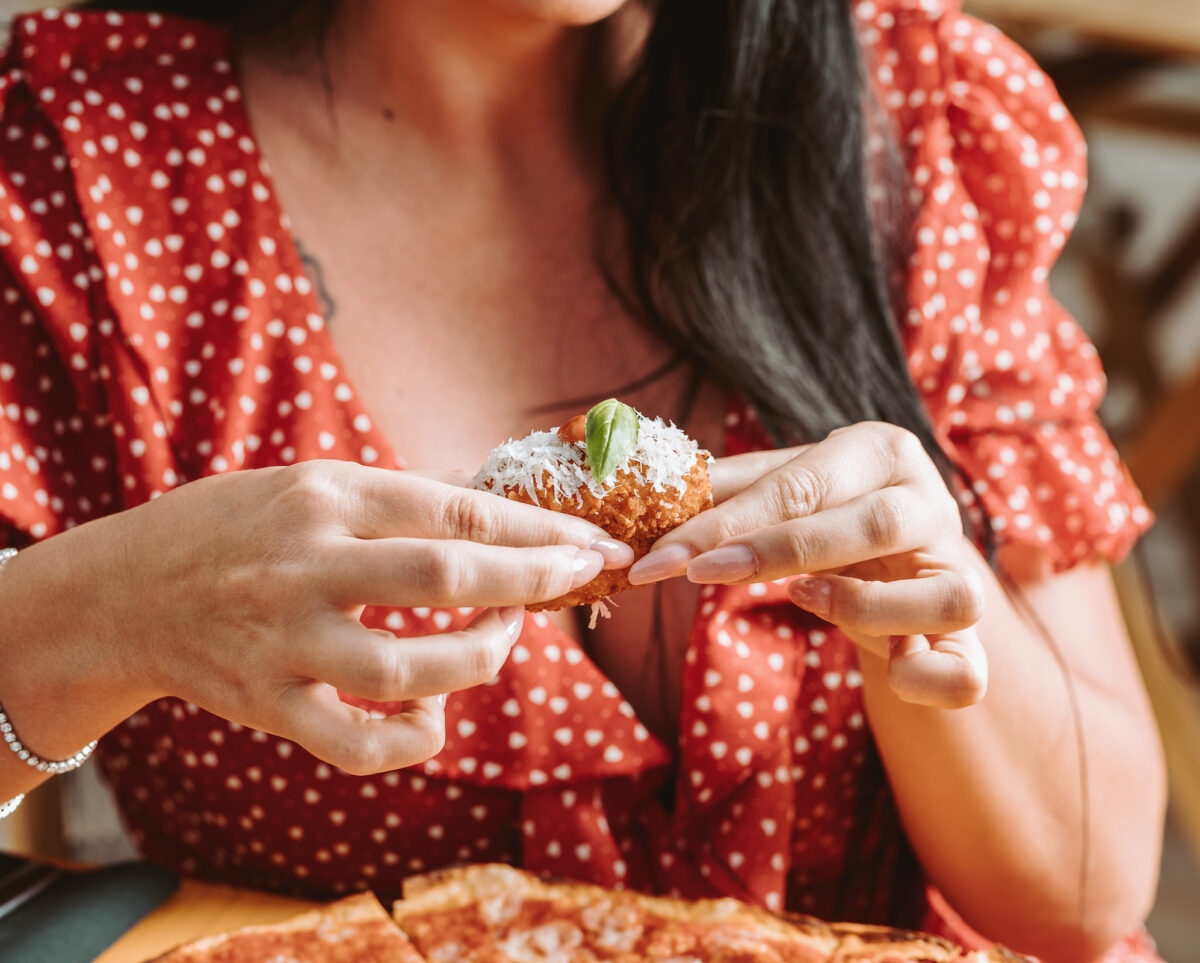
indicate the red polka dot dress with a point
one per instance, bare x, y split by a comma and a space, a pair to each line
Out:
156, 326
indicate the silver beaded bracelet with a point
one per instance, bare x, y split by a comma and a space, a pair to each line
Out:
30, 758
23, 752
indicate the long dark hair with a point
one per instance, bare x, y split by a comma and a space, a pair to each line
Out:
736, 152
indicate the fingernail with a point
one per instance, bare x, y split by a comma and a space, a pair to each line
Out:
513, 617
442, 699
616, 554
812, 594
585, 566
729, 564
660, 563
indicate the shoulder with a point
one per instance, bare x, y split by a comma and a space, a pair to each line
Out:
996, 173
95, 108
135, 211
51, 45
928, 62
93, 94
109, 86
126, 129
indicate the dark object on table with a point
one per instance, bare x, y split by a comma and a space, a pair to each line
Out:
69, 916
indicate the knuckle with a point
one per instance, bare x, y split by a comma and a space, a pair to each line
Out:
889, 433
799, 491
440, 574
900, 442
352, 751
724, 526
971, 684
547, 579
909, 448
886, 522
388, 674
472, 515
308, 489
800, 547
484, 657
364, 755
963, 604
307, 478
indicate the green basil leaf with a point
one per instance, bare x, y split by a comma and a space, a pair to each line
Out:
611, 434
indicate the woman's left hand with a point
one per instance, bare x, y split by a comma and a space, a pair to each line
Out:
867, 521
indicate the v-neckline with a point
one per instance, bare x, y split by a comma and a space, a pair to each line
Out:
290, 259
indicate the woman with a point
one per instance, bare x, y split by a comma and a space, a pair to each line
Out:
465, 248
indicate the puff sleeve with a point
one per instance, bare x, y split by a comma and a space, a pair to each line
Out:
1010, 381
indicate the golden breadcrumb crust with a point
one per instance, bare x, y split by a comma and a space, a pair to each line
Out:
631, 512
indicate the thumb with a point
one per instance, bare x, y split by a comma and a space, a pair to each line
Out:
943, 671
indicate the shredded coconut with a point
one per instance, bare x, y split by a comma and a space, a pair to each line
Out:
662, 459
600, 611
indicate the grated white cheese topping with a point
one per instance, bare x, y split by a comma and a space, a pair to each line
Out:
661, 459
599, 610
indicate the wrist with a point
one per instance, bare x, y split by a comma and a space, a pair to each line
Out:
70, 676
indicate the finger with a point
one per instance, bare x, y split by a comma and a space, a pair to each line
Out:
432, 509
380, 503
875, 525
847, 464
458, 477
735, 473
943, 671
452, 572
941, 602
358, 742
374, 664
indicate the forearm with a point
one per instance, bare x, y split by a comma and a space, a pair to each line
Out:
991, 795
65, 679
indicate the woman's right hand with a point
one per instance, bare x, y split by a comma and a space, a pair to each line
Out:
242, 593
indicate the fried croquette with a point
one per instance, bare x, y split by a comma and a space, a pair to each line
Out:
658, 485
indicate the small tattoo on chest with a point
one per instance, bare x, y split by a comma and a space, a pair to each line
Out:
316, 274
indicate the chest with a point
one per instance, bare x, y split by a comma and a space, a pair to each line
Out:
460, 328
456, 348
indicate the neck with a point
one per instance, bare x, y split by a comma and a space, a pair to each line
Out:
472, 76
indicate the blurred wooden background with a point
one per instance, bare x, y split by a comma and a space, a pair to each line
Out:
1130, 73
